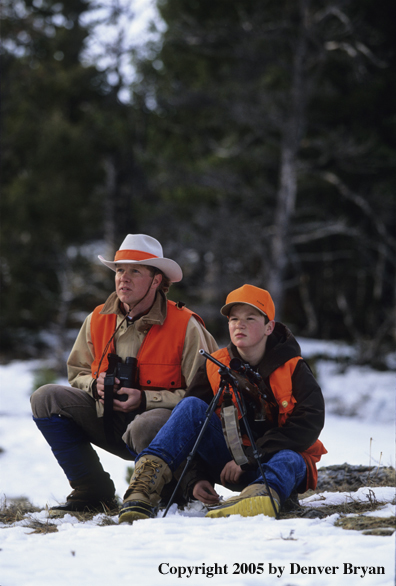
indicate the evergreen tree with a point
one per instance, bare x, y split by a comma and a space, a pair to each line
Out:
270, 138
259, 147
67, 168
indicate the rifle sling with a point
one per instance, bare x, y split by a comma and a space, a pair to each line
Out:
232, 433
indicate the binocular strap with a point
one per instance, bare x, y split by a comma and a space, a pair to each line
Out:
232, 433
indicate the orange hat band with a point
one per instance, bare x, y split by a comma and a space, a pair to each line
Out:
132, 255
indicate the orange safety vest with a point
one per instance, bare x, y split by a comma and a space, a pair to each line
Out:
281, 384
160, 355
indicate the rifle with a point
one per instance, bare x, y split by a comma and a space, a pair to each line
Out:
228, 378
249, 382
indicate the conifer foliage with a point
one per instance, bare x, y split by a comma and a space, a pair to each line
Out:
258, 146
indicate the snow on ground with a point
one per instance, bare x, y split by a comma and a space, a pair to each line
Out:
185, 546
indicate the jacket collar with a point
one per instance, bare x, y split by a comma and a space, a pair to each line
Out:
155, 316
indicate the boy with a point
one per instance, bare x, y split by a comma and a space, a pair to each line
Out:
286, 438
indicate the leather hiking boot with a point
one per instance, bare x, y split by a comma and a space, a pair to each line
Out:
144, 492
253, 500
93, 493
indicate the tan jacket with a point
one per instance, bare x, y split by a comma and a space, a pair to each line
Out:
127, 343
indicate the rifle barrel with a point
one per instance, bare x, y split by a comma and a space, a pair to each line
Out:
210, 357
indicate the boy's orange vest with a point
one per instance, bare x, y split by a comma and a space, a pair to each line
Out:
281, 385
160, 355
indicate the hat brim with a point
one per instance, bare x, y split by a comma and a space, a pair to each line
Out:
169, 267
225, 310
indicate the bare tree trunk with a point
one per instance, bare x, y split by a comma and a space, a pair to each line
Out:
287, 191
284, 210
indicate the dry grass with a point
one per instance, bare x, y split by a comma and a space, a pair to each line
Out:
40, 526
347, 508
343, 478
352, 513
105, 519
85, 516
347, 478
368, 525
21, 510
15, 510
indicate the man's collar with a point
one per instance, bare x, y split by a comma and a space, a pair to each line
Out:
155, 316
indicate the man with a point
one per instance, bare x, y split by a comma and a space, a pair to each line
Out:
286, 437
137, 321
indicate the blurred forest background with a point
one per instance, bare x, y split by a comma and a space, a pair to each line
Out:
255, 139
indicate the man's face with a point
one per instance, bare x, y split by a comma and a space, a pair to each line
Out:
134, 281
247, 327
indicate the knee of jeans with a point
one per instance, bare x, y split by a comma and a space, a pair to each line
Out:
291, 461
40, 400
192, 405
297, 460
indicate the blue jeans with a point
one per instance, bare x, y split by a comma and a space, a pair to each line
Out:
284, 472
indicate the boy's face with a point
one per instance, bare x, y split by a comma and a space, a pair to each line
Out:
247, 327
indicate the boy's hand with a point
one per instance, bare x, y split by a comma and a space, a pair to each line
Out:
231, 473
204, 492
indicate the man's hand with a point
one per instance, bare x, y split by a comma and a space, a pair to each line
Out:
100, 384
132, 403
134, 395
231, 473
204, 492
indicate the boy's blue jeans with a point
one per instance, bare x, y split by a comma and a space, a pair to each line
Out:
285, 471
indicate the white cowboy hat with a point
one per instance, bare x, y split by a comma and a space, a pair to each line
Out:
145, 250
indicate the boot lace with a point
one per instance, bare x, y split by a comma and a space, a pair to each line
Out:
144, 476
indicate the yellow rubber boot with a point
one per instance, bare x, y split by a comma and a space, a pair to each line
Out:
253, 500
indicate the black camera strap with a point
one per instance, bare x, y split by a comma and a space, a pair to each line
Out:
108, 410
109, 383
